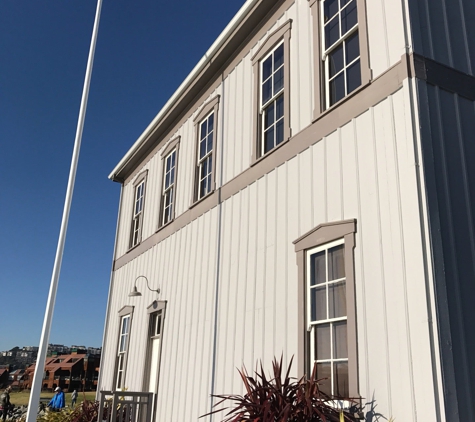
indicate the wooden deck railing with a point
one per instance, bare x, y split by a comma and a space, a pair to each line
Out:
125, 406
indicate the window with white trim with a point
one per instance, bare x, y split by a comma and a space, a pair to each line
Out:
137, 215
326, 292
341, 49
272, 99
205, 156
271, 68
327, 316
168, 188
122, 350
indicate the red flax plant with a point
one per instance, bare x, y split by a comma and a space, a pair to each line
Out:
287, 400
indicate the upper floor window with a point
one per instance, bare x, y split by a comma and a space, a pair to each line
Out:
341, 50
206, 134
272, 99
169, 182
272, 87
137, 215
205, 156
341, 53
168, 190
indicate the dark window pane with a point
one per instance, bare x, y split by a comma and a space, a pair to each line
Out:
269, 116
202, 148
352, 46
279, 103
322, 342
340, 381
278, 80
330, 9
204, 130
210, 164
172, 176
278, 57
336, 263
318, 303
317, 268
336, 60
210, 122
269, 140
353, 76
279, 132
266, 91
167, 180
209, 146
349, 17
337, 300
173, 158
337, 88
159, 324
340, 343
167, 199
332, 32
203, 170
324, 375
169, 162
266, 68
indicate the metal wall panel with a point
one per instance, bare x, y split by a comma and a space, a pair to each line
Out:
444, 31
448, 151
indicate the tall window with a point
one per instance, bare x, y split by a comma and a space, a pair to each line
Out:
168, 190
272, 99
271, 65
122, 350
326, 291
205, 156
137, 216
341, 51
327, 316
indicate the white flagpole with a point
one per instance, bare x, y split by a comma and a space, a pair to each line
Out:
43, 349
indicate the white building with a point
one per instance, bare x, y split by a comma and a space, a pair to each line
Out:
307, 191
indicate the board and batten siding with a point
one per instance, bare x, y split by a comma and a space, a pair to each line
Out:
365, 170
448, 150
443, 31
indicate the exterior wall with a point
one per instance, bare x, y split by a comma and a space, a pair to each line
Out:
229, 275
443, 31
365, 170
448, 122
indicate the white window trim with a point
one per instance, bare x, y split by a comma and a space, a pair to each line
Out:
137, 218
202, 160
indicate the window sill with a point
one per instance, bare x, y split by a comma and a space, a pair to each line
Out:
165, 225
267, 154
203, 198
133, 247
340, 102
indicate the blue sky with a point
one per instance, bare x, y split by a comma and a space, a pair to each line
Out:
144, 50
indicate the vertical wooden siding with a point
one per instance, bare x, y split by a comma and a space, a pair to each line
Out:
365, 170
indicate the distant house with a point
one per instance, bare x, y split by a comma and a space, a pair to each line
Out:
72, 371
16, 378
307, 192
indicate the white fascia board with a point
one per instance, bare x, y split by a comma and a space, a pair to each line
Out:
223, 37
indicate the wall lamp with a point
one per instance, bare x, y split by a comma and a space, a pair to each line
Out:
135, 292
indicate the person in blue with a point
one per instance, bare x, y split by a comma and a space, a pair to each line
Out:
57, 402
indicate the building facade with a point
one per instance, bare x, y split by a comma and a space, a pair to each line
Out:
306, 192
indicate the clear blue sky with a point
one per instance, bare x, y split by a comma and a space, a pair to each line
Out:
145, 49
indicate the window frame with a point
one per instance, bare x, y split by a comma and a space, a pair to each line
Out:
321, 86
122, 356
137, 218
210, 107
280, 36
321, 237
173, 146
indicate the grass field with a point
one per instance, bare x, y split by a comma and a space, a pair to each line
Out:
22, 398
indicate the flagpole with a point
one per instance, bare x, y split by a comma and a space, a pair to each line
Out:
43, 349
